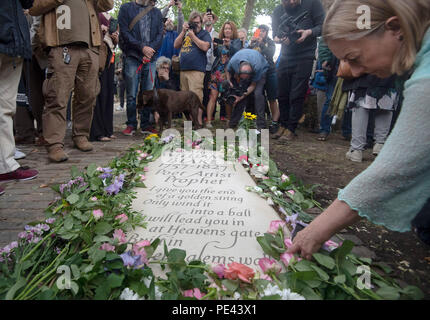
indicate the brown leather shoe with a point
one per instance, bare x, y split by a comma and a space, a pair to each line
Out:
288, 136
279, 133
56, 153
82, 143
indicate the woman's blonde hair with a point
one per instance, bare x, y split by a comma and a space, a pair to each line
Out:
413, 15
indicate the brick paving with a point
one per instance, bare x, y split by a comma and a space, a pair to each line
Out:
25, 201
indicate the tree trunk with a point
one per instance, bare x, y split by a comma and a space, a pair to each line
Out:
248, 14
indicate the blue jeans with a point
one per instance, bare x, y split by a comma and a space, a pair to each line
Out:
133, 80
326, 118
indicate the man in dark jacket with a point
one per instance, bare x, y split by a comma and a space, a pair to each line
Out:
297, 56
139, 45
14, 47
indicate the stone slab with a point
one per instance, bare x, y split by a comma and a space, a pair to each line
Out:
202, 207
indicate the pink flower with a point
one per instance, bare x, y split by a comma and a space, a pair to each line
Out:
269, 265
122, 218
292, 192
98, 214
139, 250
330, 245
243, 158
139, 151
146, 169
107, 247
100, 169
120, 236
94, 199
193, 293
284, 178
266, 277
288, 242
286, 258
276, 225
265, 178
142, 177
236, 270
219, 269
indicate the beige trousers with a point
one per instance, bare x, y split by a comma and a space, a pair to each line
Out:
193, 81
81, 74
10, 74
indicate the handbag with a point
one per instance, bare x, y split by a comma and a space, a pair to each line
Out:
344, 70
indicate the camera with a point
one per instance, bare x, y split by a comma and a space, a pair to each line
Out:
218, 41
192, 26
289, 26
229, 93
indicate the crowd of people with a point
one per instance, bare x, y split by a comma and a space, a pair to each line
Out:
67, 71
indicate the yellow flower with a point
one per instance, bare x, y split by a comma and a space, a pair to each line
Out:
154, 135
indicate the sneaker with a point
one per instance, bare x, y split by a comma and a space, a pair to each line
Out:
209, 125
223, 119
149, 130
1, 191
19, 154
274, 127
20, 174
355, 155
129, 131
377, 148
119, 108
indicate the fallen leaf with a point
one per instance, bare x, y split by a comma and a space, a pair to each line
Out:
43, 186
405, 263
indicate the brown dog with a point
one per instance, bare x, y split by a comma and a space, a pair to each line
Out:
169, 102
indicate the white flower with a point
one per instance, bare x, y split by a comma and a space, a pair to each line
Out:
128, 294
278, 193
270, 202
258, 189
236, 296
273, 189
248, 188
263, 169
285, 294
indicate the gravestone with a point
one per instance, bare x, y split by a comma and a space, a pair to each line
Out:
200, 205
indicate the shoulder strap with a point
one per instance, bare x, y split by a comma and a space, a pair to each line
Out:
139, 16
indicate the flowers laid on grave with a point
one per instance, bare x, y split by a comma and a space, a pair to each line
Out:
80, 250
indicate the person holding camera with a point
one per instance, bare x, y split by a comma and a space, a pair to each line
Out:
141, 35
224, 48
266, 46
194, 42
296, 25
246, 73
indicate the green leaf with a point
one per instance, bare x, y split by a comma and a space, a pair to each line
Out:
68, 223
75, 271
231, 285
413, 292
73, 198
18, 285
340, 279
97, 255
267, 248
388, 293
365, 260
92, 168
341, 252
102, 238
384, 267
324, 260
274, 297
176, 259
74, 172
115, 280
102, 228
102, 291
303, 265
310, 294
322, 274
